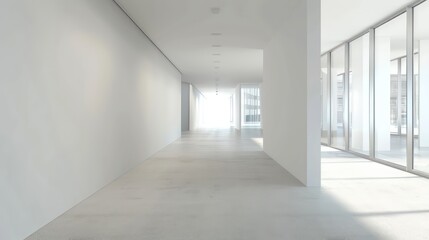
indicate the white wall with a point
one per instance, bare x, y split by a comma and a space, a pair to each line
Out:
196, 108
291, 94
84, 97
186, 88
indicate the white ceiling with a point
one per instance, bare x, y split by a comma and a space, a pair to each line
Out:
343, 19
183, 29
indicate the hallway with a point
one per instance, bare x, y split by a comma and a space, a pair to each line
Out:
218, 184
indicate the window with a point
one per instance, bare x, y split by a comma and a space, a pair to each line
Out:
390, 91
359, 95
251, 105
421, 86
337, 97
324, 125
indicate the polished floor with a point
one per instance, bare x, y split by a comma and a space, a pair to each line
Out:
219, 184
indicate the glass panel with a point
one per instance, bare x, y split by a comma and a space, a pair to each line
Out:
421, 82
251, 108
394, 68
403, 96
337, 97
390, 91
324, 125
359, 95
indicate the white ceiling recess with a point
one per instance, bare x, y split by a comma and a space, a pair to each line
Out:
206, 39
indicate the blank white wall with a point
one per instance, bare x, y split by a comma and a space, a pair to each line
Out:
84, 97
291, 94
196, 108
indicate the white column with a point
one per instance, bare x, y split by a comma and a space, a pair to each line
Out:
291, 93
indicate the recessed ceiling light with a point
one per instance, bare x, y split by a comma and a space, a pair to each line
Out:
216, 34
216, 45
216, 54
215, 10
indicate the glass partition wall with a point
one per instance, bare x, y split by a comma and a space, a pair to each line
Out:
338, 79
390, 91
250, 105
324, 83
421, 87
359, 95
374, 92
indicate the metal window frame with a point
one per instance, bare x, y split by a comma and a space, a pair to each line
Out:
346, 107
411, 91
410, 88
372, 93
329, 55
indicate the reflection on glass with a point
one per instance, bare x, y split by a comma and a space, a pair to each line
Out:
324, 99
421, 82
359, 95
390, 91
337, 97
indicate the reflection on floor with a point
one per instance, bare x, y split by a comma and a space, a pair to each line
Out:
398, 150
421, 156
391, 202
397, 153
219, 184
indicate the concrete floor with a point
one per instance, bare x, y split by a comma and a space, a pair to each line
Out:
216, 184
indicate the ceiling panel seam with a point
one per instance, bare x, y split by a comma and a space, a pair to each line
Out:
141, 30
